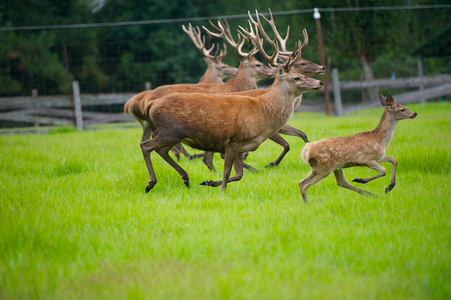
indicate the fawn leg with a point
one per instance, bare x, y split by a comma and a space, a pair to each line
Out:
375, 166
313, 177
341, 181
394, 163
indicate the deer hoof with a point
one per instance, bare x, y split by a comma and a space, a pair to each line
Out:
209, 183
249, 167
186, 183
389, 188
150, 186
271, 164
359, 180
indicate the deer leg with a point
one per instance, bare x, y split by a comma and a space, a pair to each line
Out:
290, 130
181, 149
147, 130
375, 166
394, 163
164, 153
196, 155
208, 160
313, 177
231, 154
277, 138
341, 181
147, 147
175, 152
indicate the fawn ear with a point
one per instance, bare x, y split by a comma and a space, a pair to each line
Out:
382, 99
390, 100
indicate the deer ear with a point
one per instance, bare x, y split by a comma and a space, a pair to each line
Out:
390, 100
280, 70
382, 99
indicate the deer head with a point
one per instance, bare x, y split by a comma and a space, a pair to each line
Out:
213, 61
285, 69
398, 111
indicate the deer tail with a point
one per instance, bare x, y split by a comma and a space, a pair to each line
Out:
147, 107
127, 105
305, 153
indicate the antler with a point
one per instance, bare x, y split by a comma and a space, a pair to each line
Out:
199, 42
258, 43
223, 31
293, 56
282, 42
195, 36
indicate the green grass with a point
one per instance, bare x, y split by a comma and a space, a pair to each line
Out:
75, 222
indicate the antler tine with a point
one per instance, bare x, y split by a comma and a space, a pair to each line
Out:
282, 42
294, 56
305, 43
221, 54
195, 36
225, 33
218, 35
206, 52
258, 44
258, 25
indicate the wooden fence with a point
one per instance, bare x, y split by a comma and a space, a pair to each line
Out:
437, 86
66, 110
63, 110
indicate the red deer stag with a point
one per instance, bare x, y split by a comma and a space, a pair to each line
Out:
301, 66
361, 149
228, 124
215, 73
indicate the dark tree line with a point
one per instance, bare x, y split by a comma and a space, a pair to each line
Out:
363, 44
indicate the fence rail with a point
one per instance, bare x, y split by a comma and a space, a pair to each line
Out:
439, 85
65, 110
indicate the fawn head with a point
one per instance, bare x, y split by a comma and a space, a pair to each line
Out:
398, 111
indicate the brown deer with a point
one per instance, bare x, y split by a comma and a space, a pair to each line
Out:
249, 72
215, 73
228, 124
361, 149
301, 66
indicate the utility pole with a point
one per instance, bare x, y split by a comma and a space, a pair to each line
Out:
317, 17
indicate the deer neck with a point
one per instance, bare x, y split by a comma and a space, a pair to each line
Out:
386, 128
279, 104
209, 77
242, 81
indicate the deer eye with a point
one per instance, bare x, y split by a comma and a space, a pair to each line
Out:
303, 64
297, 79
403, 110
258, 65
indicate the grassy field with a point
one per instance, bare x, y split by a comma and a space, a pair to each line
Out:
75, 222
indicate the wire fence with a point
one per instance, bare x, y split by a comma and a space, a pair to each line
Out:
122, 65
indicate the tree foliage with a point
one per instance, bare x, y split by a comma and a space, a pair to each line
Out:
122, 58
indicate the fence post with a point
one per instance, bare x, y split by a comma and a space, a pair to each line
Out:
147, 86
34, 96
337, 95
77, 105
420, 74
